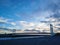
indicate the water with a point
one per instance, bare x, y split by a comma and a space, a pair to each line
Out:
10, 38
32, 40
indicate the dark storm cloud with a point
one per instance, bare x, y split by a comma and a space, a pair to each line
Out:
55, 7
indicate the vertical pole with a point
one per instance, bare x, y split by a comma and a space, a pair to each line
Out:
51, 30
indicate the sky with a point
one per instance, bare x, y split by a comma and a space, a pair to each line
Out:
29, 14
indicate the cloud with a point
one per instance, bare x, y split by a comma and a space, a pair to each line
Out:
2, 20
34, 12
13, 23
33, 25
27, 24
55, 22
54, 6
6, 22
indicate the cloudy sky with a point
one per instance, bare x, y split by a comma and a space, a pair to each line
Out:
29, 14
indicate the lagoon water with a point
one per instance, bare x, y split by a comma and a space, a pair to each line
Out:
32, 40
27, 37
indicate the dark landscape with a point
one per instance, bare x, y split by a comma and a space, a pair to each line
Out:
45, 40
